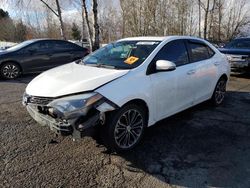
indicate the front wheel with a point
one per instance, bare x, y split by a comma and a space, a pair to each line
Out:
10, 70
125, 127
219, 92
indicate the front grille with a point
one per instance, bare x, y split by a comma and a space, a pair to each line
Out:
39, 100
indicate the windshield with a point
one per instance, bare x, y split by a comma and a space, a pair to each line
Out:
20, 45
241, 44
121, 55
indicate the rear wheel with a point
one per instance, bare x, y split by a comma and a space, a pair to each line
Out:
10, 70
219, 92
125, 127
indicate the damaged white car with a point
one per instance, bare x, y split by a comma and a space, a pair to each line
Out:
127, 86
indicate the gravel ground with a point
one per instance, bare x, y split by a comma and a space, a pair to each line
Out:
200, 147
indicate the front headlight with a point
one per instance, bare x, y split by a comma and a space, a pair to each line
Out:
229, 57
71, 104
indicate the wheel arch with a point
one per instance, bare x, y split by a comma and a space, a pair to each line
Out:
223, 76
140, 103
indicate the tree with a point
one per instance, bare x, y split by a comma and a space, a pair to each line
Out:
86, 20
75, 32
20, 32
58, 14
96, 29
3, 14
94, 33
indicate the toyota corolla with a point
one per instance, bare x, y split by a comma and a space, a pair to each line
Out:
127, 86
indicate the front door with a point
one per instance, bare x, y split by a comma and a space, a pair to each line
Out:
173, 90
36, 57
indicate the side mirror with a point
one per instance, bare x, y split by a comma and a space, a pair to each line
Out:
164, 65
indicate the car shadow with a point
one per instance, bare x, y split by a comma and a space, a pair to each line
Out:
22, 79
202, 146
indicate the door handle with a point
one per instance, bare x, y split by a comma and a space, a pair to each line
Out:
191, 72
216, 63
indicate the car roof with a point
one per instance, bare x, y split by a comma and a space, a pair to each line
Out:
155, 38
45, 39
242, 38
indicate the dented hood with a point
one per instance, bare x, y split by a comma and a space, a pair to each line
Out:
71, 78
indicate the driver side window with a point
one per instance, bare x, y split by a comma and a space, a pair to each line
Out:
174, 51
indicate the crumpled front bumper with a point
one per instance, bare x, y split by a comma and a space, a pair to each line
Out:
75, 125
63, 128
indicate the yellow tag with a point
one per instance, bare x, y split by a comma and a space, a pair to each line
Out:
131, 60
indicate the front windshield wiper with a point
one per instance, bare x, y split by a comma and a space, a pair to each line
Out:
101, 65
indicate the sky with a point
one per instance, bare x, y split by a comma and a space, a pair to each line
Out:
70, 10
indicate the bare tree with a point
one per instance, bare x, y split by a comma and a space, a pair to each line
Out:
58, 13
86, 20
96, 29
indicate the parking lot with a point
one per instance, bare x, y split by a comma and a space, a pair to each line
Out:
200, 147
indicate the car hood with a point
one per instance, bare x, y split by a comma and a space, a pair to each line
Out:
71, 78
235, 51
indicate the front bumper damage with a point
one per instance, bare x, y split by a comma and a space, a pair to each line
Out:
239, 62
75, 125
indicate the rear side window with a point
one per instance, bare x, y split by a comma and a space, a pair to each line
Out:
239, 43
61, 46
200, 51
174, 51
242, 44
39, 46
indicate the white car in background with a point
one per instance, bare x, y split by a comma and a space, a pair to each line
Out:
127, 86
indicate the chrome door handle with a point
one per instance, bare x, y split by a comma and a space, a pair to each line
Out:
216, 63
191, 72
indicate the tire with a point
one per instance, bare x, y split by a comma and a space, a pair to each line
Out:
219, 92
10, 70
120, 134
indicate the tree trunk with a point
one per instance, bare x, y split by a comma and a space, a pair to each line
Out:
58, 14
206, 18
86, 17
96, 30
211, 23
219, 24
199, 2
60, 19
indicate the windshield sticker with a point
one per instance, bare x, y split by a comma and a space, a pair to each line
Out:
131, 60
146, 43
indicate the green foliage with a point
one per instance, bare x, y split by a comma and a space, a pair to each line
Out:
76, 34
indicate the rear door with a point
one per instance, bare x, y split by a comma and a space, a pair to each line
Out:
65, 52
206, 69
61, 53
173, 90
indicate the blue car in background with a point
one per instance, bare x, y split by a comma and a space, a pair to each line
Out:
238, 54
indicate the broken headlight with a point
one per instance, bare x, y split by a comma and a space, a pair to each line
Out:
73, 105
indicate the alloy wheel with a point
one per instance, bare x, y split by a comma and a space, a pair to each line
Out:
10, 71
128, 128
220, 91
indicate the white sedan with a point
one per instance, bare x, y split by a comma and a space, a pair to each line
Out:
127, 86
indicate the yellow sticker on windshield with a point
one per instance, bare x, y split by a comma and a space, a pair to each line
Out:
131, 60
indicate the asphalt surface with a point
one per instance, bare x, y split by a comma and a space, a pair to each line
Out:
200, 147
